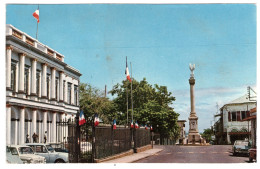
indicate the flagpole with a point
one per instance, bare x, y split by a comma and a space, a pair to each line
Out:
126, 97
132, 91
37, 28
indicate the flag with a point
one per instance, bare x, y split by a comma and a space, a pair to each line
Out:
96, 120
36, 15
114, 124
81, 118
132, 124
127, 72
151, 127
136, 125
146, 127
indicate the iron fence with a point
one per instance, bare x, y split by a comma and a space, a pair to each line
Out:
142, 137
110, 142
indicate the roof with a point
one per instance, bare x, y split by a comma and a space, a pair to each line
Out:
242, 99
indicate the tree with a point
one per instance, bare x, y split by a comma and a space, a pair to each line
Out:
151, 106
92, 101
207, 133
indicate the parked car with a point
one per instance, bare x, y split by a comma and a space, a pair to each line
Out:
26, 154
58, 147
252, 154
241, 147
12, 159
49, 153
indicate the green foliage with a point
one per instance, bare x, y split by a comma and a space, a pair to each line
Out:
93, 101
151, 106
207, 133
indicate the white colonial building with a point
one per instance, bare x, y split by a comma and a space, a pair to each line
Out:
231, 125
41, 89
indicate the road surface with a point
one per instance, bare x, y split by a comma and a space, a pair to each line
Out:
195, 154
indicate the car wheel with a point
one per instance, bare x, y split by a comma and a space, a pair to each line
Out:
59, 161
234, 153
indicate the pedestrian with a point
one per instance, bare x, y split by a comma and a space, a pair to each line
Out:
27, 138
34, 137
45, 137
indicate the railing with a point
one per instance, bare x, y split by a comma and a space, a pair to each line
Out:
142, 137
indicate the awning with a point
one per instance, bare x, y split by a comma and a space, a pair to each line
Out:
249, 118
239, 133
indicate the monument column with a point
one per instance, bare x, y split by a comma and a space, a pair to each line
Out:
194, 136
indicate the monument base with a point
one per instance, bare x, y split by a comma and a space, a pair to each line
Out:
194, 138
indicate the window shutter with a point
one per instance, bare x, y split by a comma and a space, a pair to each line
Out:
247, 113
229, 116
238, 116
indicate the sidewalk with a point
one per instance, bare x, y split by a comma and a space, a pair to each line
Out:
135, 156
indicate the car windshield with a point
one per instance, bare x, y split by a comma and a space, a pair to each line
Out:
13, 151
25, 150
242, 143
49, 147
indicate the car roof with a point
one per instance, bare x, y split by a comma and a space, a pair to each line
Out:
35, 144
17, 146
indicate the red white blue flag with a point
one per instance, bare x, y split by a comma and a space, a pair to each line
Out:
151, 127
136, 125
146, 127
96, 120
81, 118
114, 124
132, 124
127, 72
36, 15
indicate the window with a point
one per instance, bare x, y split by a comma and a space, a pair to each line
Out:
243, 114
69, 93
48, 85
13, 75
56, 87
75, 95
38, 82
234, 116
26, 80
40, 149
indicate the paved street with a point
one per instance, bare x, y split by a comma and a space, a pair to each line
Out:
194, 154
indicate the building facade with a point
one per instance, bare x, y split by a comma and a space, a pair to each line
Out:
41, 90
231, 125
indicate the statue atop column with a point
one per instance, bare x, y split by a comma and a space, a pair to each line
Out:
192, 68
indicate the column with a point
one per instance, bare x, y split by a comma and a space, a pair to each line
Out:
40, 86
21, 73
44, 121
66, 92
43, 81
58, 90
53, 75
72, 93
49, 132
17, 77
54, 127
61, 86
192, 98
34, 65
21, 127
8, 66
34, 121
8, 124
16, 132
29, 81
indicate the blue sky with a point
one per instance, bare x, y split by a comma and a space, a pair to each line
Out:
160, 41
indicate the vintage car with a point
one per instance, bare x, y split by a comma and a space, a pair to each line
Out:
12, 159
49, 153
58, 147
241, 147
26, 154
252, 154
